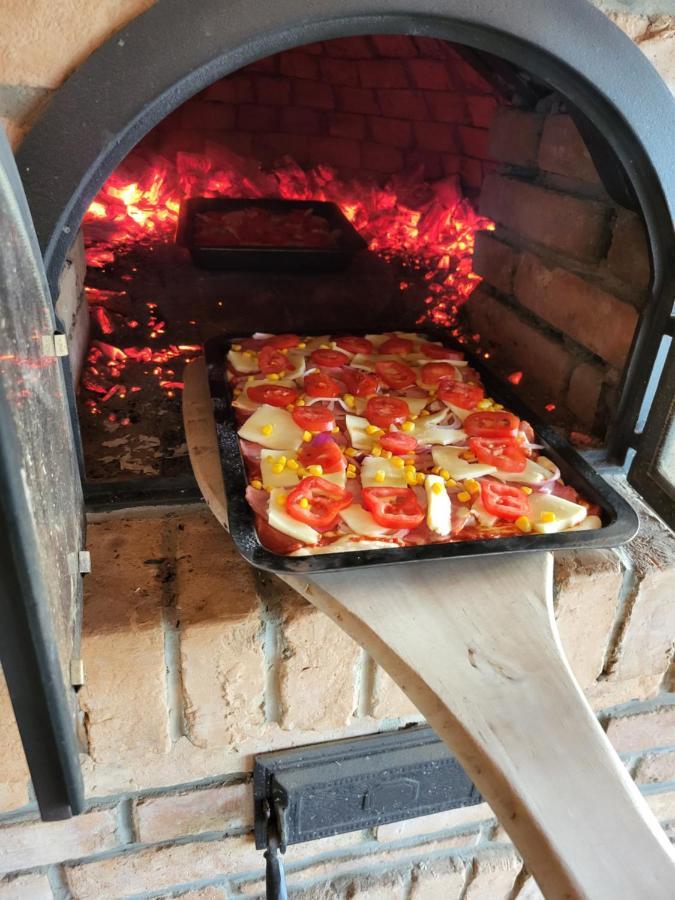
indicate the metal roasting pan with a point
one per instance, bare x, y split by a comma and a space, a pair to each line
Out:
620, 522
270, 259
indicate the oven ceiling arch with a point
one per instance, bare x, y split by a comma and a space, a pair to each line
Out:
175, 49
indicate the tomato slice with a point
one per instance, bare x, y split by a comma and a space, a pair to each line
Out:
490, 424
272, 394
399, 443
355, 344
313, 418
458, 393
386, 411
504, 500
271, 360
359, 383
325, 502
434, 351
396, 345
395, 374
432, 373
282, 341
318, 384
331, 359
393, 507
504, 453
324, 452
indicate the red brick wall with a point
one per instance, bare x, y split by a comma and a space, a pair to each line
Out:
374, 105
565, 273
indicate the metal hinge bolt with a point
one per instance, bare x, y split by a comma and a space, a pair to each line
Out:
77, 672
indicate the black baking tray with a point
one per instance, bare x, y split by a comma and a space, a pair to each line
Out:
620, 522
270, 259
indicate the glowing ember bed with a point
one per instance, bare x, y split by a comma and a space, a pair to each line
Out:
384, 444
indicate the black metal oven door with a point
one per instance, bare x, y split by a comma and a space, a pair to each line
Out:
41, 513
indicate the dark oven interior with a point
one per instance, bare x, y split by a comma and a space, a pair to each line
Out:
489, 208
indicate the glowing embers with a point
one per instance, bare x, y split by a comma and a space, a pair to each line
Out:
426, 227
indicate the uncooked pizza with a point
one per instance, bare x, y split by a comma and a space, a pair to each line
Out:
384, 441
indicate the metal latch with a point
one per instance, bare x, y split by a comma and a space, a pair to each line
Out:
77, 672
275, 877
79, 563
55, 344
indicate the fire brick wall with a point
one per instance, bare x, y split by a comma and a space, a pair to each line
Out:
368, 105
566, 271
194, 663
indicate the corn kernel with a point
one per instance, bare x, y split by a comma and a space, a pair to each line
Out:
376, 450
547, 516
498, 406
267, 430
292, 464
304, 503
284, 350
450, 482
425, 412
372, 429
257, 484
237, 392
302, 345
335, 430
436, 470
414, 418
249, 353
484, 404
273, 376
411, 478
526, 490
408, 426
380, 476
250, 377
351, 467
300, 402
325, 346
468, 456
307, 436
398, 462
236, 347
277, 468
444, 474
290, 408
350, 451
387, 454
410, 460
302, 471
281, 500
523, 524
315, 470
437, 487
411, 468
464, 496
351, 474
419, 478
472, 485
349, 400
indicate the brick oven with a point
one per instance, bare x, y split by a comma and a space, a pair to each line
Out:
504, 204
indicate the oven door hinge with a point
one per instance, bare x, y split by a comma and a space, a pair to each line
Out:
79, 563
55, 344
77, 672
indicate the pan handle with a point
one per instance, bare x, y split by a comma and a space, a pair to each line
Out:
474, 645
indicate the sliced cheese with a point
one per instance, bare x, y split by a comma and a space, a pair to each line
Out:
346, 544
279, 519
449, 458
244, 363
440, 434
272, 479
362, 522
458, 411
438, 506
567, 514
416, 404
533, 473
590, 523
358, 436
423, 360
392, 476
296, 368
339, 478
284, 433
482, 515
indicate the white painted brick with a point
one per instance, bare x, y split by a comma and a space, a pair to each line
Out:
656, 767
494, 874
26, 887
631, 734
197, 812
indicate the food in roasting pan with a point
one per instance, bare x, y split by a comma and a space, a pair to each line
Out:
255, 226
383, 441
